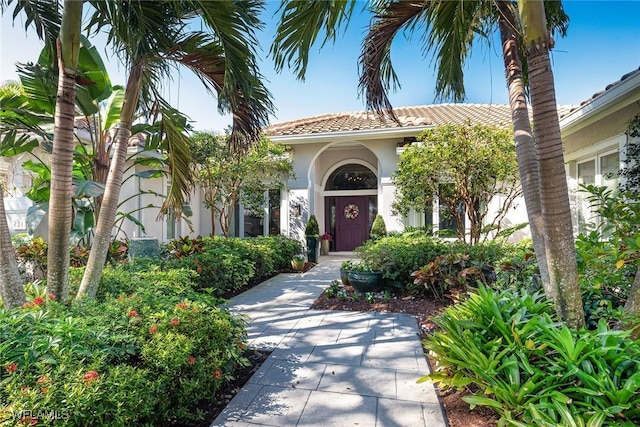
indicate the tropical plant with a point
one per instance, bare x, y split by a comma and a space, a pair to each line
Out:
609, 255
149, 36
229, 177
532, 369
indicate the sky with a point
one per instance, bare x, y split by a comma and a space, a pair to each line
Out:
602, 44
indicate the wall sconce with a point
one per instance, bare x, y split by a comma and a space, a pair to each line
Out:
297, 210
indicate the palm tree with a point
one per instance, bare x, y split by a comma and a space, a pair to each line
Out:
151, 36
61, 35
68, 47
554, 194
452, 44
11, 289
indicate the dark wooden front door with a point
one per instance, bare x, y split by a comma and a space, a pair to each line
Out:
352, 222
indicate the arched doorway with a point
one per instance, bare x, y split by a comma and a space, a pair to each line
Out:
351, 205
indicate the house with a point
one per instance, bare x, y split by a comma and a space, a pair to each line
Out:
595, 141
344, 164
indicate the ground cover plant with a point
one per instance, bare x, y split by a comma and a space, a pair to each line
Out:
531, 368
152, 347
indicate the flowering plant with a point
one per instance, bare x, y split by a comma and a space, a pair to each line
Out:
326, 236
298, 257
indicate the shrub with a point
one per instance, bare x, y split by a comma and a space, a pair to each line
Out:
533, 370
227, 264
378, 228
143, 358
312, 229
398, 256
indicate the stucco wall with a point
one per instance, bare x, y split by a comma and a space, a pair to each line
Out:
600, 130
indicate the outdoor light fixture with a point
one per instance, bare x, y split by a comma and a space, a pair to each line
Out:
296, 210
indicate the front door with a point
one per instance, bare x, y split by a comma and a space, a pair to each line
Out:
352, 222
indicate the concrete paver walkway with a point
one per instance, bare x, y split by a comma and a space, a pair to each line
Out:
329, 368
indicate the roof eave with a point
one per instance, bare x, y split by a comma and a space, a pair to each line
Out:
350, 135
607, 102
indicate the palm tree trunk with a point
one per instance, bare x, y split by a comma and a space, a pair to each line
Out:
102, 238
525, 144
60, 213
632, 306
11, 289
554, 194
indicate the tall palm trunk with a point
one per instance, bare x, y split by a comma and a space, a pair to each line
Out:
525, 144
102, 237
554, 194
11, 289
60, 214
632, 306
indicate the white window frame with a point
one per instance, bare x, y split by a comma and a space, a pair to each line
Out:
598, 180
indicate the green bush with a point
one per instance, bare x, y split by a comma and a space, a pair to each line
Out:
533, 370
142, 358
398, 256
224, 265
312, 229
378, 228
605, 284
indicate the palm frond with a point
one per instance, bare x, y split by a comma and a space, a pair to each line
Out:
377, 75
176, 142
300, 25
44, 16
454, 25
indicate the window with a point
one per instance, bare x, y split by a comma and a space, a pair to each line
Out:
253, 224
352, 177
603, 170
173, 224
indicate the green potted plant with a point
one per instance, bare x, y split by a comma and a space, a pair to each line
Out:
312, 233
345, 268
378, 228
297, 262
364, 279
325, 241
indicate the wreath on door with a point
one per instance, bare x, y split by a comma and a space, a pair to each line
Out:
351, 211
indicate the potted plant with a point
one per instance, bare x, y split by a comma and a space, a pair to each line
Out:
378, 229
345, 268
312, 232
297, 262
325, 240
364, 279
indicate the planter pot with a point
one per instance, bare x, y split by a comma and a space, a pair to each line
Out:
344, 276
365, 282
312, 249
140, 247
324, 247
297, 265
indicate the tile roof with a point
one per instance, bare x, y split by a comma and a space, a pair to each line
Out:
424, 115
609, 87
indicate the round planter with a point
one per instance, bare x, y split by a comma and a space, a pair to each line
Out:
297, 265
324, 247
344, 276
365, 282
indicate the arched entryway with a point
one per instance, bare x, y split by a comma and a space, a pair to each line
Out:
351, 204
